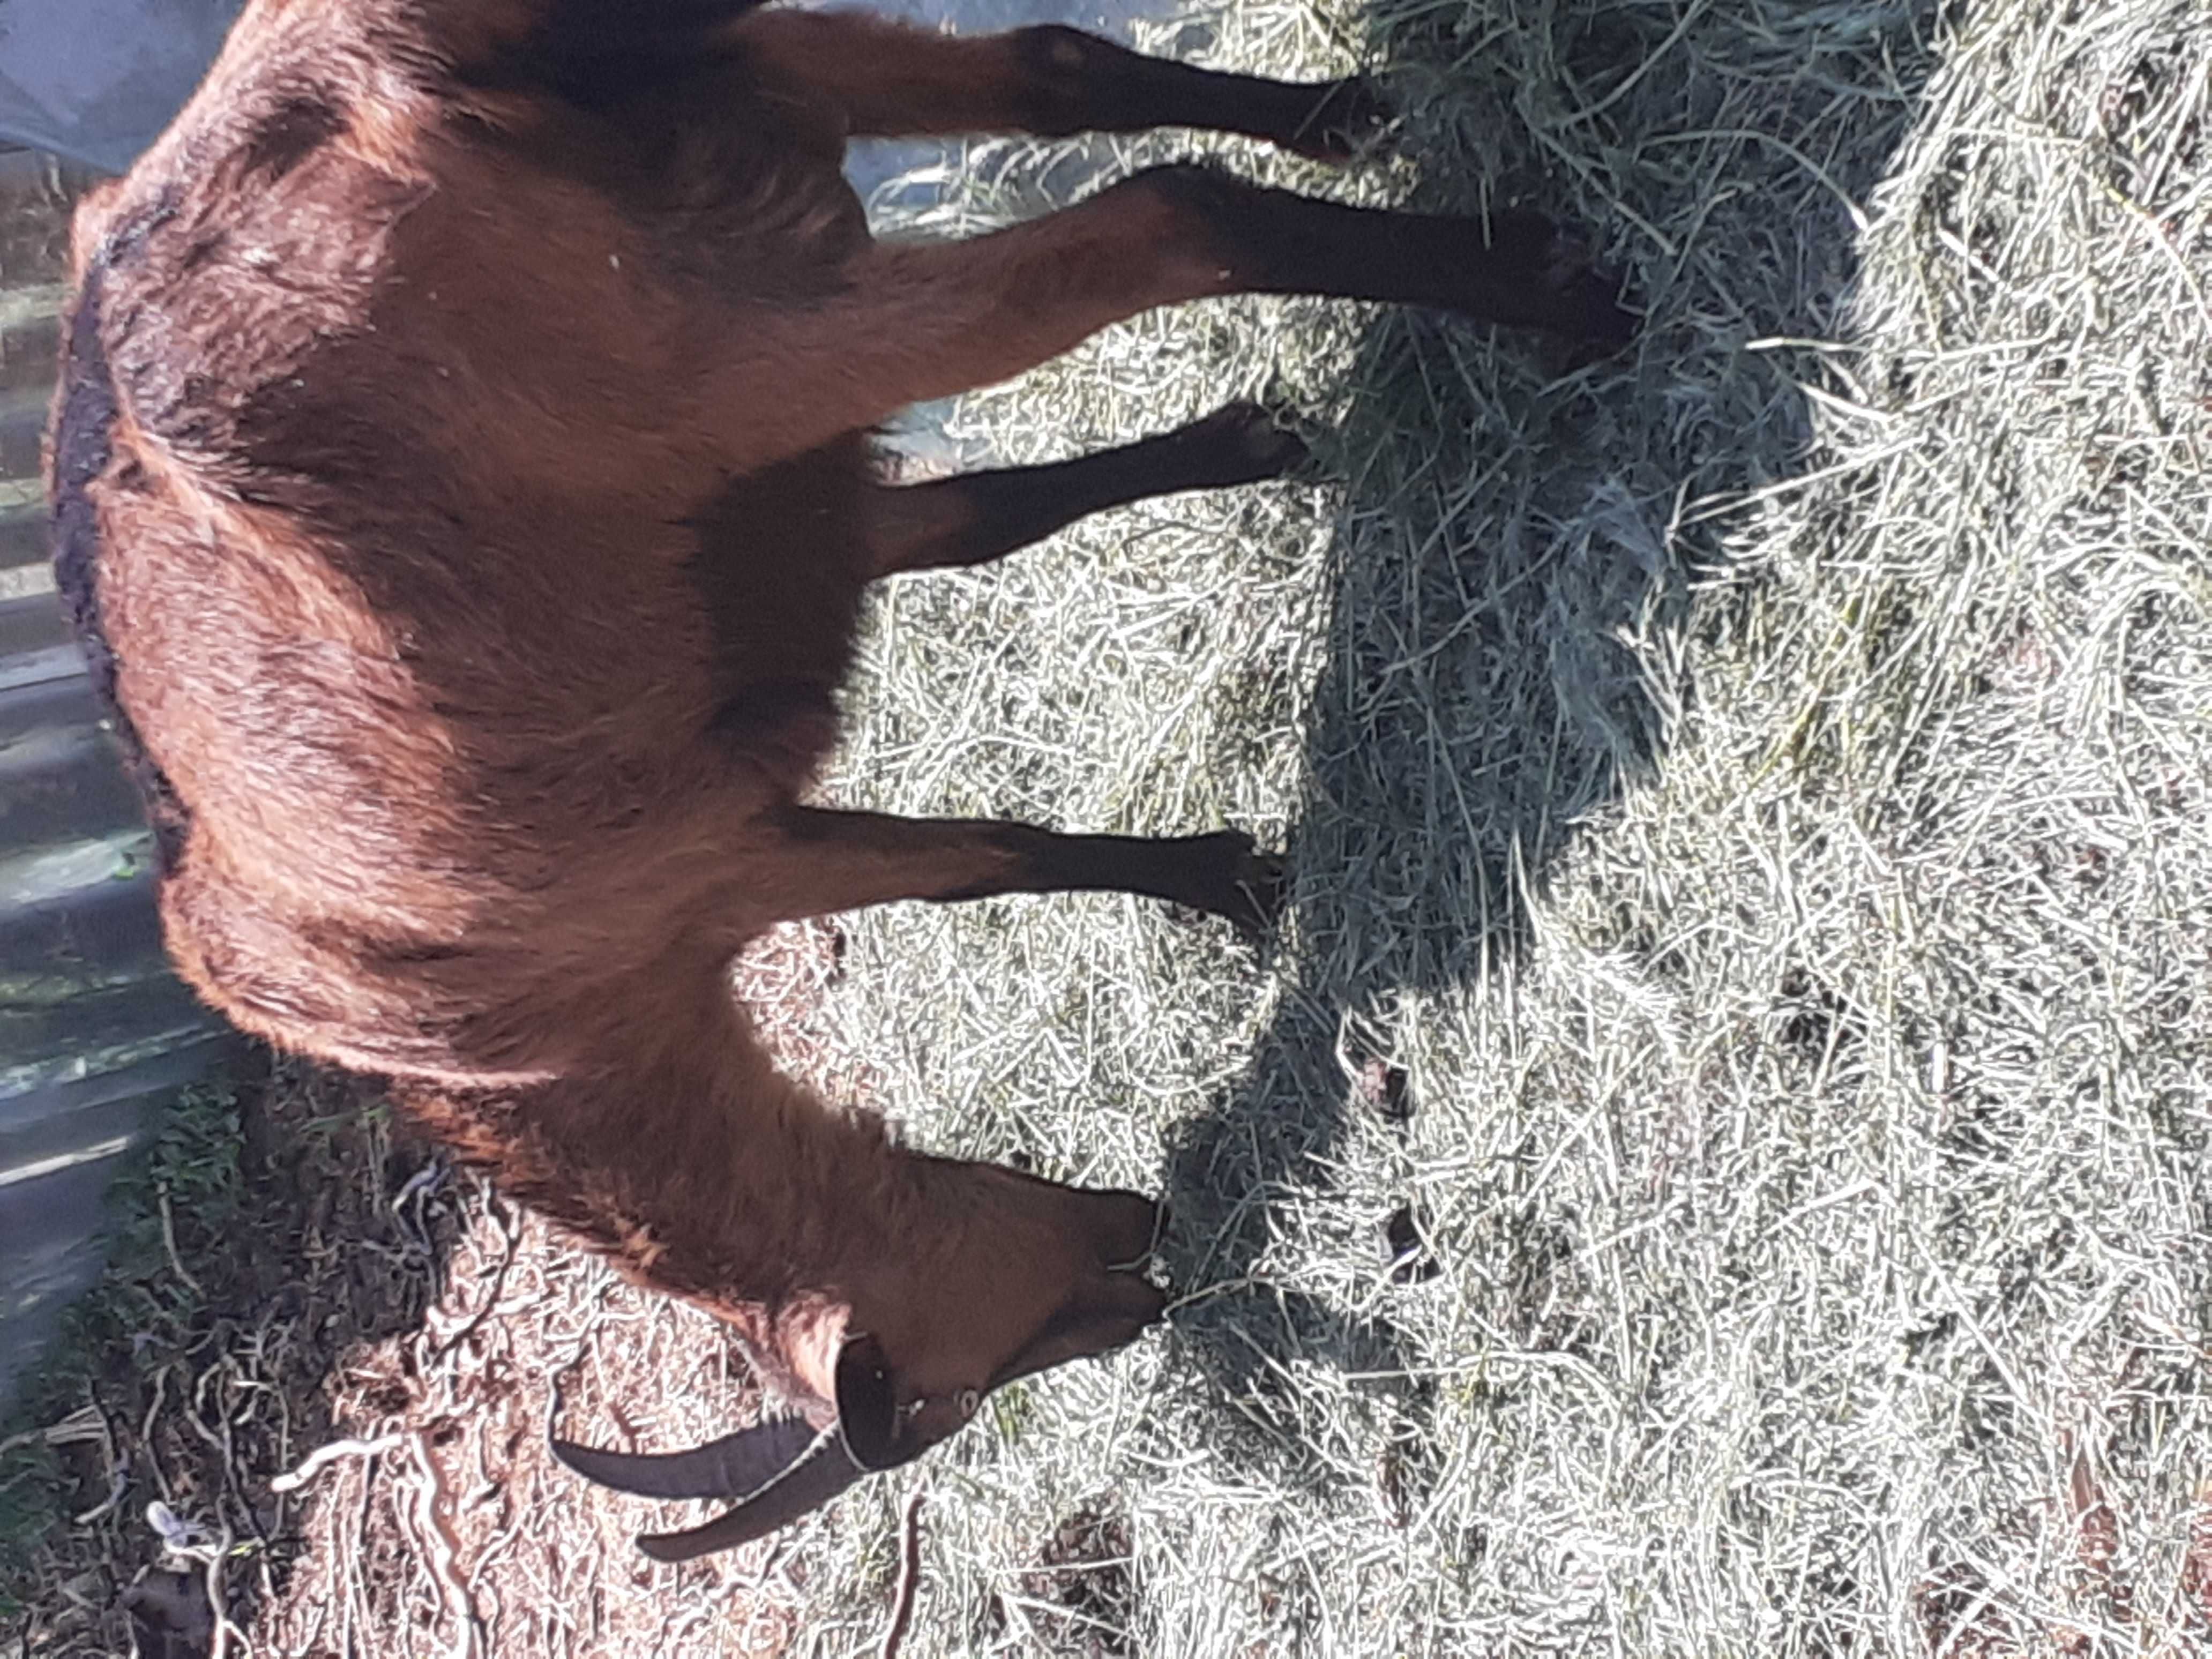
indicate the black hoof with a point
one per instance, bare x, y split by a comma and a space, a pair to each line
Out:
1243, 443
1588, 295
1556, 283
1250, 886
1594, 295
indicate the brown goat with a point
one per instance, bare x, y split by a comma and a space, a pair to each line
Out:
462, 481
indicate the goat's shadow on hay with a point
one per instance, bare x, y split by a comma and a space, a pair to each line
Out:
1496, 679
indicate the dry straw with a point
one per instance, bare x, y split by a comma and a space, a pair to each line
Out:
1751, 960
1714, 1161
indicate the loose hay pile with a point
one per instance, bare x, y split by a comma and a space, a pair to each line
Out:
1715, 1161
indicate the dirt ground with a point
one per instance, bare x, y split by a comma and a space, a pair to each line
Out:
442, 1525
343, 1356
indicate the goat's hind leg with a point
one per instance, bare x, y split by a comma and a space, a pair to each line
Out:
824, 861
977, 517
912, 322
890, 80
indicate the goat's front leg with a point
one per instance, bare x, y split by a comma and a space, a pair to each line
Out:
889, 79
910, 323
823, 861
977, 517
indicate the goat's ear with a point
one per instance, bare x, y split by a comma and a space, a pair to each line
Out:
867, 1405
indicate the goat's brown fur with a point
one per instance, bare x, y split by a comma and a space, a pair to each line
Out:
460, 472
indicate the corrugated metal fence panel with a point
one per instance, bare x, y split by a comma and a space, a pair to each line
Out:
95, 1034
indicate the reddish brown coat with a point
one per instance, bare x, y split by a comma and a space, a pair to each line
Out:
460, 478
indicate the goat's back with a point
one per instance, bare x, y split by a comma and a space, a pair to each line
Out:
454, 646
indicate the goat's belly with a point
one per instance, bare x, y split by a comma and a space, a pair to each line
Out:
778, 562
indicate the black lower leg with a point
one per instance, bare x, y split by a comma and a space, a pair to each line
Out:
1224, 873
1514, 267
981, 516
1081, 83
819, 860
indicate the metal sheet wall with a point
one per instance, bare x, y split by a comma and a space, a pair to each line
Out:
95, 1035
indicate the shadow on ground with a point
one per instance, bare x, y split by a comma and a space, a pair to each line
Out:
1509, 643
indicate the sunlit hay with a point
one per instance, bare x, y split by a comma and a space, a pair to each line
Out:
1753, 794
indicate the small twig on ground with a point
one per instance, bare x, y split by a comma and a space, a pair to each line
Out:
910, 1579
406, 1204
85, 1423
445, 1552
169, 1238
119, 1482
216, 1561
318, 1461
510, 1227
161, 1394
